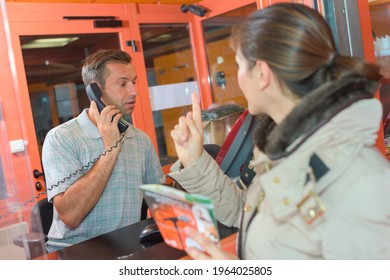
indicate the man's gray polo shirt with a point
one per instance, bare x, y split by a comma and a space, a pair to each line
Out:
74, 144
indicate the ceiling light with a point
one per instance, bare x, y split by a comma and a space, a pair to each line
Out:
48, 43
161, 38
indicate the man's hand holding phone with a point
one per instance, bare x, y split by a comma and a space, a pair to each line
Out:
107, 123
95, 94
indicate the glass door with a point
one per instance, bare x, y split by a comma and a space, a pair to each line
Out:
380, 22
170, 69
53, 74
221, 58
46, 84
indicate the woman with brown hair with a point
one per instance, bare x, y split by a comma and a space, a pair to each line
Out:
321, 189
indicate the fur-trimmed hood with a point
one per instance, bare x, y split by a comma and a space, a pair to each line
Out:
314, 110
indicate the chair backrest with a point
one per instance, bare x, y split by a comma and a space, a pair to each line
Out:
237, 150
230, 138
386, 123
212, 149
241, 147
42, 216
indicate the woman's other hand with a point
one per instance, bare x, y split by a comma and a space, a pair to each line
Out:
211, 251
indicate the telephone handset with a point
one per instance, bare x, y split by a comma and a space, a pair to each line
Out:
94, 93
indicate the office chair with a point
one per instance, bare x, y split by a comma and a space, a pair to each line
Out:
386, 124
212, 149
237, 150
230, 137
41, 220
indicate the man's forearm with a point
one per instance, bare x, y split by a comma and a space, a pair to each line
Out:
80, 198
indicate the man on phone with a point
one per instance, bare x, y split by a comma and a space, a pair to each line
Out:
92, 170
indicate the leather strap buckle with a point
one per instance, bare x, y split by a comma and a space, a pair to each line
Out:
311, 207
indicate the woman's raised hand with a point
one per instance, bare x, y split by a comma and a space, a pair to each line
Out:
188, 134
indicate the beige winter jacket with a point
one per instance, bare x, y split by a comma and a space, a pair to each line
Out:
354, 192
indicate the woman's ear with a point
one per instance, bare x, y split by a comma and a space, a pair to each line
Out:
263, 74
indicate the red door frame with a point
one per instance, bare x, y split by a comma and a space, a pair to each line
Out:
369, 55
41, 19
146, 14
46, 18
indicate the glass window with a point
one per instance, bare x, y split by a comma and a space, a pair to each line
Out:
380, 22
221, 58
330, 16
53, 71
8, 194
171, 79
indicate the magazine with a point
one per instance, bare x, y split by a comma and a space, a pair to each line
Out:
173, 210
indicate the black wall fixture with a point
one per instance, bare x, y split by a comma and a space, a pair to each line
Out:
98, 21
107, 23
133, 44
195, 9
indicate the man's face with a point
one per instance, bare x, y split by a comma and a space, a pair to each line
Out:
120, 88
